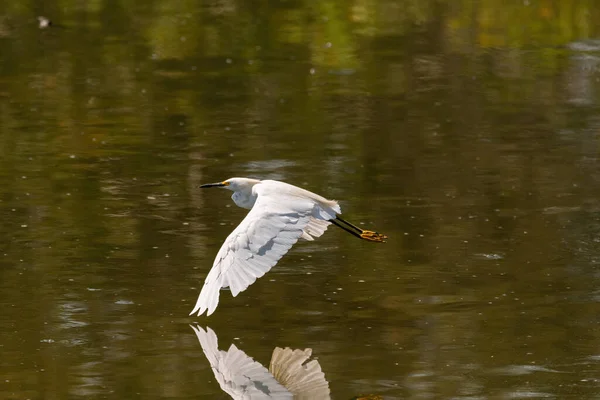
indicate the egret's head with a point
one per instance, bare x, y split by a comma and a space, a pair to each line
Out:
234, 184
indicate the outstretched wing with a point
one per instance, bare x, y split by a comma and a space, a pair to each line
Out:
270, 229
304, 379
238, 374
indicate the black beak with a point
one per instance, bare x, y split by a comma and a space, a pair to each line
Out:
208, 185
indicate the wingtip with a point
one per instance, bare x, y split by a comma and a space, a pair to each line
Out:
199, 308
209, 310
199, 311
207, 301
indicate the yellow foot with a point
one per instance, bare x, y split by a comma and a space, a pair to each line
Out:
373, 236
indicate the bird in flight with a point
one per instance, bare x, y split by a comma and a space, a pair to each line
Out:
280, 214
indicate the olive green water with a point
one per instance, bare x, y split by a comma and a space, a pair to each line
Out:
467, 131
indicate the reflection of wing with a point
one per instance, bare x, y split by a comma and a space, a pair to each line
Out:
276, 221
239, 375
306, 382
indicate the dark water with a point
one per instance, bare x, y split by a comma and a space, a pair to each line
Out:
467, 131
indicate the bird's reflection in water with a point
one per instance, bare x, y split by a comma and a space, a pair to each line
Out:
289, 375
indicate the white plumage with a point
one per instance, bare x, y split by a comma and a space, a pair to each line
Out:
289, 376
237, 374
280, 214
304, 379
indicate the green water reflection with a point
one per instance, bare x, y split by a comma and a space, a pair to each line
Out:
465, 130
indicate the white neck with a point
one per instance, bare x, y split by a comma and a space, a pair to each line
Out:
244, 199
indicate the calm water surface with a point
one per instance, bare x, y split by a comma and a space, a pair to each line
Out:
468, 132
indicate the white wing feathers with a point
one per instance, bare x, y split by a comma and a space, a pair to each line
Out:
314, 228
277, 220
238, 374
304, 379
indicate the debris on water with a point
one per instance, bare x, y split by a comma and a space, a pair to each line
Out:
44, 22
490, 256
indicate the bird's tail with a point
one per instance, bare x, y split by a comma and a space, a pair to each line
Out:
209, 295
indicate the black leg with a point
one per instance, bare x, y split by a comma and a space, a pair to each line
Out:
350, 231
348, 223
371, 236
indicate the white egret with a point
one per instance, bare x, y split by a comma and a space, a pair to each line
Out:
280, 214
290, 374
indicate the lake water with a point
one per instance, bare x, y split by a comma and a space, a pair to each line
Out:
467, 131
